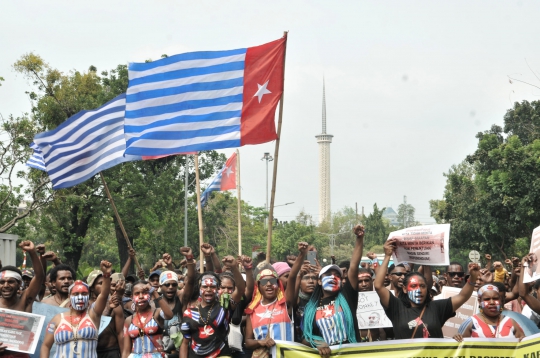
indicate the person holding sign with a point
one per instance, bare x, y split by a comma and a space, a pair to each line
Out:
491, 323
77, 334
420, 317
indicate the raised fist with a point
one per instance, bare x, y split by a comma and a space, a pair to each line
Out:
114, 302
291, 259
140, 273
371, 255
186, 251
50, 256
27, 245
247, 262
167, 259
389, 246
359, 231
207, 249
40, 249
105, 267
229, 262
508, 262
487, 256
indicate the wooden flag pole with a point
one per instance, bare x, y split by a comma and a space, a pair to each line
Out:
118, 217
199, 212
276, 155
238, 189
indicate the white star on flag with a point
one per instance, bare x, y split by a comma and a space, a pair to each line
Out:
262, 91
228, 171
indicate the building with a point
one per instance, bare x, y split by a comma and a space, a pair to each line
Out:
391, 216
324, 139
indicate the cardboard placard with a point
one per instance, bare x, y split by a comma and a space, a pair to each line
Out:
370, 312
532, 272
468, 309
424, 245
19, 331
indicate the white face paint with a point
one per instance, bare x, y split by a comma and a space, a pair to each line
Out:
79, 301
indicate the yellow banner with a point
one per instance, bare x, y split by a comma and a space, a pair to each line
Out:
529, 347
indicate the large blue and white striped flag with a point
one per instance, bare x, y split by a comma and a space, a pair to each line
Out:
204, 100
36, 160
215, 185
85, 144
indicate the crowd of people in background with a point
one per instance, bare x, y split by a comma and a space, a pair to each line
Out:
239, 306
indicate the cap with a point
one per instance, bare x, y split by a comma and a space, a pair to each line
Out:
281, 268
330, 267
28, 273
157, 272
93, 276
115, 277
132, 278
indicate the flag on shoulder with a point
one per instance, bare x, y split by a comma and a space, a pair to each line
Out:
224, 180
85, 144
204, 100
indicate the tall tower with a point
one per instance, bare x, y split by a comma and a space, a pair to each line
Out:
324, 141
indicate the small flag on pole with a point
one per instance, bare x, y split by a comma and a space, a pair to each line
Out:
204, 100
85, 144
224, 180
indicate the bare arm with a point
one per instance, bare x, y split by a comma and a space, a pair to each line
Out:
126, 351
384, 294
247, 262
189, 282
232, 264
101, 300
488, 261
352, 274
125, 269
290, 296
118, 316
39, 275
48, 341
211, 258
467, 290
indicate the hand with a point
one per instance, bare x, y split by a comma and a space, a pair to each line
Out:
303, 247
508, 262
359, 231
140, 274
247, 262
487, 256
315, 269
167, 259
515, 261
229, 262
2, 347
486, 276
323, 349
474, 270
105, 267
50, 256
371, 255
305, 269
40, 249
186, 251
183, 263
517, 271
120, 288
312, 248
333, 258
389, 246
267, 342
27, 245
291, 259
207, 249
114, 302
458, 337
131, 253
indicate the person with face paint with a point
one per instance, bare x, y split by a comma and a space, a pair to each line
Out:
330, 315
143, 331
76, 334
491, 322
168, 281
205, 324
269, 315
419, 317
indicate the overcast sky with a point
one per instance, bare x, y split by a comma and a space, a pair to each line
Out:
408, 83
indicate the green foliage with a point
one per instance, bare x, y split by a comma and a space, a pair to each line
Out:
377, 228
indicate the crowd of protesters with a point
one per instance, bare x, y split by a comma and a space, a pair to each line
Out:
238, 308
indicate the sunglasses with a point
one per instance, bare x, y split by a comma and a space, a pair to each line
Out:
399, 274
173, 284
458, 274
265, 281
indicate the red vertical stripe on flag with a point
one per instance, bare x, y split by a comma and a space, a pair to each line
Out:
228, 175
263, 86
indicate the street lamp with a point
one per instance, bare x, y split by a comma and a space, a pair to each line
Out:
268, 158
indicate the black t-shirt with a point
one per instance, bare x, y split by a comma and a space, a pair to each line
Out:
403, 318
326, 309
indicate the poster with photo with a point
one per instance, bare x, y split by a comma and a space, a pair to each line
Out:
532, 271
370, 312
423, 245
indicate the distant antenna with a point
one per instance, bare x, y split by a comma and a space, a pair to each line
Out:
323, 110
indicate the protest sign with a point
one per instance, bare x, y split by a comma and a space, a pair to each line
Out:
424, 245
532, 271
19, 331
469, 308
370, 312
529, 347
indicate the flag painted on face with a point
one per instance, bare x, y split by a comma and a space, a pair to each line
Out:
204, 100
36, 160
85, 144
224, 180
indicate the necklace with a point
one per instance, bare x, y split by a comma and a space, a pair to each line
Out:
207, 316
496, 328
75, 329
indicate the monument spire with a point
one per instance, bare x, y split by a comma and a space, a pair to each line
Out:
324, 141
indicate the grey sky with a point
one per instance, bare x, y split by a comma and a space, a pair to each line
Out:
408, 83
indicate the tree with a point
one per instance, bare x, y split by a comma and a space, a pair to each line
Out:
377, 228
406, 216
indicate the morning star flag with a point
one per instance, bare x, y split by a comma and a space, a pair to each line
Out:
85, 144
204, 100
224, 180
36, 160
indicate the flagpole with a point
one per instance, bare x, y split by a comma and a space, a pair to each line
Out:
276, 155
239, 202
186, 183
199, 211
118, 217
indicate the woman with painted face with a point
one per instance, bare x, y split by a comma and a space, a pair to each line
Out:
76, 334
491, 322
330, 314
419, 317
271, 308
144, 330
205, 324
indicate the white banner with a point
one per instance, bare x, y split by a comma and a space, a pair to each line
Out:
370, 312
532, 273
19, 331
424, 245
